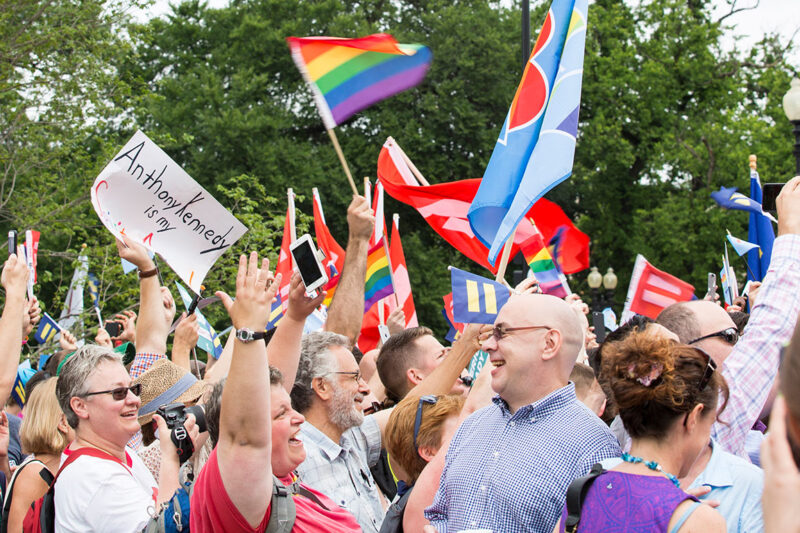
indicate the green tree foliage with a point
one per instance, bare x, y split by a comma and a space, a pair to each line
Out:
667, 116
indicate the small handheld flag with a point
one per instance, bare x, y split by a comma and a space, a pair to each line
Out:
543, 267
24, 373
741, 246
94, 289
208, 340
728, 198
275, 314
47, 330
378, 284
476, 299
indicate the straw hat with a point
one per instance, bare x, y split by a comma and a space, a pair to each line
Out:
165, 383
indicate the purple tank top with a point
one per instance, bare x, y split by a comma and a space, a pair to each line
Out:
618, 502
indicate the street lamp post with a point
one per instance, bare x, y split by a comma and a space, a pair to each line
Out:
601, 300
791, 106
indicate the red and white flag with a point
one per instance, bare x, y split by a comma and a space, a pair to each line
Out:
651, 290
377, 209
284, 266
444, 207
334, 254
402, 285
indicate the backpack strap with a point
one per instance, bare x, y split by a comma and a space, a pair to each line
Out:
575, 495
282, 509
302, 491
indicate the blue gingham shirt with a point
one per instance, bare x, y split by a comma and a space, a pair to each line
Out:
341, 471
509, 472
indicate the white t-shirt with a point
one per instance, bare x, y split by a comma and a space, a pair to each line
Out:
101, 495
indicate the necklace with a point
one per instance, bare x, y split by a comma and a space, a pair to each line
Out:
652, 465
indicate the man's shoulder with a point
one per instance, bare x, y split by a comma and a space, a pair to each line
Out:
740, 469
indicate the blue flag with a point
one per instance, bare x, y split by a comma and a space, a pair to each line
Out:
275, 314
94, 289
536, 145
728, 198
760, 233
740, 245
208, 341
476, 299
24, 373
47, 330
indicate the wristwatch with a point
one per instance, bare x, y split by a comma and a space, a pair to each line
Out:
248, 335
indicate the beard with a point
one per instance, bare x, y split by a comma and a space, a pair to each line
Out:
343, 411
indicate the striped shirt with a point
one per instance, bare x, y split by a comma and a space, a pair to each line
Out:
509, 472
752, 366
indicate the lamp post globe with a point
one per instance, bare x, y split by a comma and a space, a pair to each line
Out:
791, 106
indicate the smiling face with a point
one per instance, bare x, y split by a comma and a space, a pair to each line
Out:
113, 420
287, 448
344, 406
430, 354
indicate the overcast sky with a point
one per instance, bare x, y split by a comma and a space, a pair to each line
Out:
782, 16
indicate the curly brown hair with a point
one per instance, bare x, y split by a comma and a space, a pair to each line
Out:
656, 381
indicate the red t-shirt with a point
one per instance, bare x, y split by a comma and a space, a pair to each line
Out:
212, 509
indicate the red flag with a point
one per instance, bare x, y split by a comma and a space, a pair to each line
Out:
369, 338
334, 254
377, 209
284, 266
402, 285
651, 290
31, 251
444, 206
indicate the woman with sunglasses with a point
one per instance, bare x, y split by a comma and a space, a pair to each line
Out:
667, 397
102, 485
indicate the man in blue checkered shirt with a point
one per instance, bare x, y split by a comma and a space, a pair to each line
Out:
509, 464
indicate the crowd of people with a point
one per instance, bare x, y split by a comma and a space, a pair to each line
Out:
674, 424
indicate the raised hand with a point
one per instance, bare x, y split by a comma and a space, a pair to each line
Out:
300, 304
126, 319
15, 274
255, 291
360, 219
135, 253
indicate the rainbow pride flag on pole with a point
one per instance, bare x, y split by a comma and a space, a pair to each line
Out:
348, 75
544, 269
378, 284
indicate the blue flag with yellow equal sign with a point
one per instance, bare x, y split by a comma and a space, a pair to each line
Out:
476, 299
24, 373
536, 145
275, 314
94, 289
47, 330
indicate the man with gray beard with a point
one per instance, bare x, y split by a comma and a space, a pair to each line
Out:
341, 444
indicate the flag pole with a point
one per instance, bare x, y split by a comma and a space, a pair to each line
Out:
501, 270
753, 276
342, 160
414, 170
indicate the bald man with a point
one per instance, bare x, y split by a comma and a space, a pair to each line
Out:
749, 364
509, 464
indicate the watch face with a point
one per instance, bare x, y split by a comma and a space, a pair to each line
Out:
244, 335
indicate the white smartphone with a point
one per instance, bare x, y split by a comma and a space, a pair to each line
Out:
307, 263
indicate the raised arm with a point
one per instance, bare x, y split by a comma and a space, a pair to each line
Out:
283, 350
14, 279
151, 328
244, 446
347, 307
186, 335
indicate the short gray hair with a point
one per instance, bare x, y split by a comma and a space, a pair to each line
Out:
315, 362
74, 376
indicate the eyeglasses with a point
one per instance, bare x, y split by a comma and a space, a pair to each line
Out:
711, 367
500, 332
429, 399
119, 393
356, 374
729, 335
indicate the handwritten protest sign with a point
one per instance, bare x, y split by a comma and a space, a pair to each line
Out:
145, 195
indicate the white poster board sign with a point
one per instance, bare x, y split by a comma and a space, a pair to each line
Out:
145, 195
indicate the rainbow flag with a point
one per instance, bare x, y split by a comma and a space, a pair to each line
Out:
378, 284
348, 75
544, 269
330, 290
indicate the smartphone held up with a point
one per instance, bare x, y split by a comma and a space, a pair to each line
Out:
307, 263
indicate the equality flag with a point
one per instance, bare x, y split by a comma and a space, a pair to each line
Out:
334, 254
348, 75
208, 340
476, 300
94, 289
400, 273
456, 328
543, 267
759, 232
47, 330
378, 283
24, 373
728, 198
73, 303
651, 290
275, 314
741, 246
284, 266
536, 145
444, 207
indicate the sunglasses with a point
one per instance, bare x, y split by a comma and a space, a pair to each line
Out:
119, 393
429, 399
729, 335
500, 332
711, 367
356, 375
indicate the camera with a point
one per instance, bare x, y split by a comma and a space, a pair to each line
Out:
175, 415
